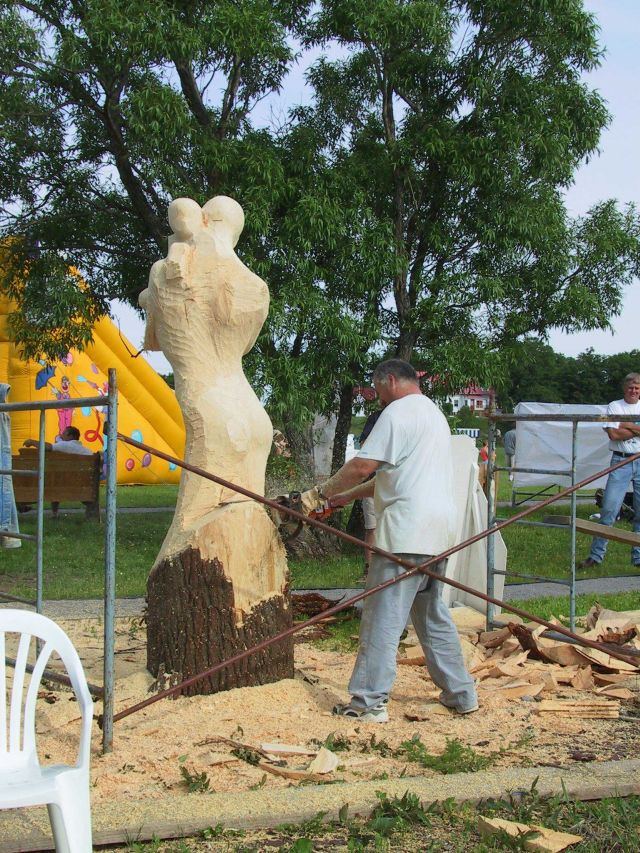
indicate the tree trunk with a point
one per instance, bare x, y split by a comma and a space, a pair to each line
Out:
343, 426
300, 441
192, 625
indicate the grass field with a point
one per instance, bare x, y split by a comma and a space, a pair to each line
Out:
74, 550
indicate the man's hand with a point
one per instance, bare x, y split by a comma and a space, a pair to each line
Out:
340, 500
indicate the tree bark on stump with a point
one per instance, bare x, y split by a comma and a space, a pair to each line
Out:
191, 626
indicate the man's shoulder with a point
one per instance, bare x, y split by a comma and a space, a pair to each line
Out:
623, 406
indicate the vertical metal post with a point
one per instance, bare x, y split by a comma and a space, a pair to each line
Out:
110, 562
491, 520
40, 511
572, 588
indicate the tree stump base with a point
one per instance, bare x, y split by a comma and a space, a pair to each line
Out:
194, 620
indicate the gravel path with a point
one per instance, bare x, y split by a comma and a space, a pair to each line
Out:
93, 608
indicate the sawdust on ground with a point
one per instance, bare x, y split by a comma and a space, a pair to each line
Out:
155, 748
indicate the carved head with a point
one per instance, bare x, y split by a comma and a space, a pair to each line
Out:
225, 217
185, 218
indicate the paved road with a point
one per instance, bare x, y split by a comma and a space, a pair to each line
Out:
93, 608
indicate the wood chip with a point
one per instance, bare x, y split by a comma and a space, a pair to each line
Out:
324, 762
419, 661
290, 774
518, 689
583, 679
617, 692
494, 639
287, 749
586, 709
548, 840
602, 678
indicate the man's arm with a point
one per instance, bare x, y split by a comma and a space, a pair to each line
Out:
364, 490
31, 442
624, 430
352, 473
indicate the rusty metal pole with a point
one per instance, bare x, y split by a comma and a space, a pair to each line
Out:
412, 569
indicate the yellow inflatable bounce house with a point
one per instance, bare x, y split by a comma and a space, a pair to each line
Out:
147, 407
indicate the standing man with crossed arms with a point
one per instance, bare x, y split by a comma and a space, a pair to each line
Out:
624, 441
409, 450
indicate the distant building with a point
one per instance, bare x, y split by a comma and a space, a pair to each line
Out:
476, 398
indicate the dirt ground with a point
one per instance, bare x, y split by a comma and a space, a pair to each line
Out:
176, 742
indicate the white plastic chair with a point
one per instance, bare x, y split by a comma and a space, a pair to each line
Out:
23, 781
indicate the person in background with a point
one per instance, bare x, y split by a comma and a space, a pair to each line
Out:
8, 512
509, 441
67, 442
624, 441
409, 450
482, 463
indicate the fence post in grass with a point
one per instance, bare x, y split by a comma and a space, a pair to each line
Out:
110, 561
572, 588
491, 520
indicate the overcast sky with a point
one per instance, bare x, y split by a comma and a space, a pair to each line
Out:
614, 173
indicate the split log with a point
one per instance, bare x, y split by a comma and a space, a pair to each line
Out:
586, 709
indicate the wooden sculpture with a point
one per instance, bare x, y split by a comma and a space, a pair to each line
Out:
219, 582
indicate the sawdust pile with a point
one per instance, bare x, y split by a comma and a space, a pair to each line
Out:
545, 703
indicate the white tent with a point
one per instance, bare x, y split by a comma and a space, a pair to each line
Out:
547, 445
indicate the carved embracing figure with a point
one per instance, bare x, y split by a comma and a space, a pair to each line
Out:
219, 583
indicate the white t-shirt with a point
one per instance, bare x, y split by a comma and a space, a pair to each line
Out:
414, 484
630, 412
73, 446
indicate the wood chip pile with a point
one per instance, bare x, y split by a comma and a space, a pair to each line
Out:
521, 660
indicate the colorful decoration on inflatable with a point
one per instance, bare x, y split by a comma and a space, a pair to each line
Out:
148, 410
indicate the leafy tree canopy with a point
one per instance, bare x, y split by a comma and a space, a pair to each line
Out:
537, 373
414, 205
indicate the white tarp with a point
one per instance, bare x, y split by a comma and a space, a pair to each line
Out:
547, 445
469, 566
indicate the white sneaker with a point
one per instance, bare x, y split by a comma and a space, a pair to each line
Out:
375, 714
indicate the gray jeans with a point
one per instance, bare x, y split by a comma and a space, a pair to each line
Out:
384, 616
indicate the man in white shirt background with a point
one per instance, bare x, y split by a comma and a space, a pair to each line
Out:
624, 441
69, 442
409, 450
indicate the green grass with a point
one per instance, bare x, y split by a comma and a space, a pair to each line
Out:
404, 825
333, 572
160, 495
548, 606
73, 556
545, 551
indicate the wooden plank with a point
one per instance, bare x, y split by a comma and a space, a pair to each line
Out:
615, 534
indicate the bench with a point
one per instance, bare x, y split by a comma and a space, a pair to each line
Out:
67, 477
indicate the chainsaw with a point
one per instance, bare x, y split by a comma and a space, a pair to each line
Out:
309, 503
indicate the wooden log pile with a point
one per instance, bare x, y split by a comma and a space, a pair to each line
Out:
520, 660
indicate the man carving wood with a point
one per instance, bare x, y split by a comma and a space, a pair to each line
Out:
409, 450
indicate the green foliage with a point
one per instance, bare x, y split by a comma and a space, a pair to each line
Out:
337, 742
197, 783
314, 826
456, 758
536, 372
413, 207
406, 810
248, 755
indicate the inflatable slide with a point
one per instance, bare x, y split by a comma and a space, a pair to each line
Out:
148, 410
